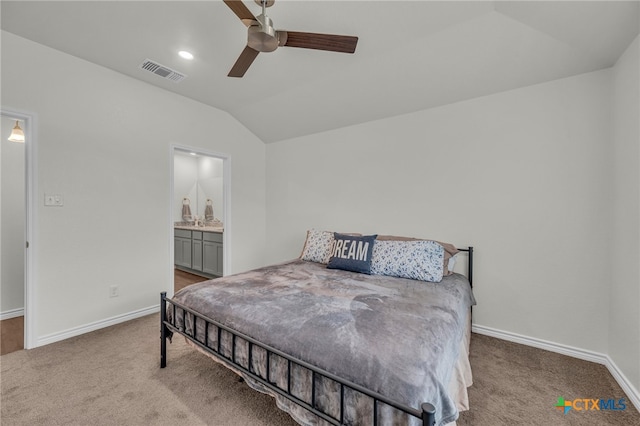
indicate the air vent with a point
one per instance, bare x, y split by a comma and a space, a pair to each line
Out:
162, 71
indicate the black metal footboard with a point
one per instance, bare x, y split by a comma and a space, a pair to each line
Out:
168, 323
171, 311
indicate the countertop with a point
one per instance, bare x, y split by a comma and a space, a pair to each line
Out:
217, 229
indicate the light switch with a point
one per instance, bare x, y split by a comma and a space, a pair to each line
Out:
53, 200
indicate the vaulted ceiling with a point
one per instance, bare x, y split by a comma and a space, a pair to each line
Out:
411, 55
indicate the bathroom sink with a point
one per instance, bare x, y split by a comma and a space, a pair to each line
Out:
219, 229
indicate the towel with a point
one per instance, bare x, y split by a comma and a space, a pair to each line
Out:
186, 210
208, 210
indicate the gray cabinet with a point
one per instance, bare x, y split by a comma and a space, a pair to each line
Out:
182, 248
212, 259
199, 252
196, 250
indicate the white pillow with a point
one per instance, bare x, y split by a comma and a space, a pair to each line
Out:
452, 262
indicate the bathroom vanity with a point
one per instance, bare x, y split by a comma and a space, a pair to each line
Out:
199, 250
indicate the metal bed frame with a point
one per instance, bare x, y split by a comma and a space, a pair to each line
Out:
426, 413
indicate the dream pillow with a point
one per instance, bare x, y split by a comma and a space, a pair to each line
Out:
318, 247
352, 253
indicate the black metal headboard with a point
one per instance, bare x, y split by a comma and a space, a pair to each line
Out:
470, 264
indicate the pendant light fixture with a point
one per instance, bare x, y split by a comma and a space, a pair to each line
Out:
17, 135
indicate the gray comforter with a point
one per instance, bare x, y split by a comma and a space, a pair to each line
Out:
395, 336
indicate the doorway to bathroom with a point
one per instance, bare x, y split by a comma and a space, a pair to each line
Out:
200, 219
17, 180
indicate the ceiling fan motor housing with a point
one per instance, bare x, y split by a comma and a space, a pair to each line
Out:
263, 37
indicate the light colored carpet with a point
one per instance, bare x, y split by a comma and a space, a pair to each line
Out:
112, 377
520, 385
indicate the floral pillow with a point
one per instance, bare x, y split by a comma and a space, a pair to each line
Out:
449, 250
318, 246
417, 260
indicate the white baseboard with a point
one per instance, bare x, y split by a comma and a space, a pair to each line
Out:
76, 331
627, 387
631, 392
541, 344
11, 313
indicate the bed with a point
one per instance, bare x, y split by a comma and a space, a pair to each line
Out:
335, 346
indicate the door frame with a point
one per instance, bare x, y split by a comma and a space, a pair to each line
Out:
30, 129
226, 211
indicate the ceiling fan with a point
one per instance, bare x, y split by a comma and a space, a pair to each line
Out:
262, 37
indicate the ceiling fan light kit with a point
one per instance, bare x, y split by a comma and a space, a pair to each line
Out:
263, 37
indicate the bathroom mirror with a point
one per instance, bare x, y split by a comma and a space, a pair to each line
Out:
199, 178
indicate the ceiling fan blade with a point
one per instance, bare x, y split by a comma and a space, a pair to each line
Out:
241, 11
243, 63
331, 42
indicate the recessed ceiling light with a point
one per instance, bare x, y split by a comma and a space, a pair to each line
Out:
193, 153
186, 55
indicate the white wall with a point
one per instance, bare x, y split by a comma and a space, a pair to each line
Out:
624, 329
524, 176
104, 144
12, 169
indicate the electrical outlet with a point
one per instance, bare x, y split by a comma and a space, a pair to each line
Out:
53, 200
114, 291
